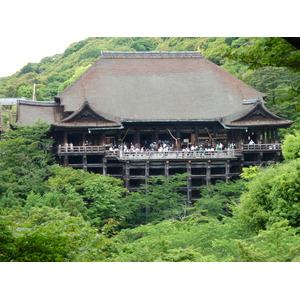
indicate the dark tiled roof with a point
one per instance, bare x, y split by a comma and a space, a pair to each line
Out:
28, 112
151, 86
254, 115
85, 116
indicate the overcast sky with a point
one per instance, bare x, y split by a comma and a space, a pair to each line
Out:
32, 29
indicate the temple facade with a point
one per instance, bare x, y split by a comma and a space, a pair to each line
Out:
135, 115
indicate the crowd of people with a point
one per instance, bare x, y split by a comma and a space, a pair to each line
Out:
166, 146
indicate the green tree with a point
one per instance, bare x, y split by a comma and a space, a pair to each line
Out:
94, 196
291, 146
67, 201
267, 51
48, 235
272, 196
217, 198
160, 199
25, 91
79, 71
24, 159
278, 243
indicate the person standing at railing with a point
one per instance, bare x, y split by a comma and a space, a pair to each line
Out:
201, 151
251, 143
71, 147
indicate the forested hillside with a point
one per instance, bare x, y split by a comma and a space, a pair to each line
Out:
52, 213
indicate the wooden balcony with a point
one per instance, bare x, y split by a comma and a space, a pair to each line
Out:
155, 155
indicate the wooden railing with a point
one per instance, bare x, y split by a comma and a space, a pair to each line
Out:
80, 149
229, 153
155, 155
261, 147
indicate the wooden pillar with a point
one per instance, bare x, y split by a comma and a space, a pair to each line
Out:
272, 136
261, 137
189, 182
98, 139
258, 136
260, 158
102, 139
196, 129
276, 136
156, 135
83, 138
104, 164
119, 138
137, 137
84, 162
126, 174
178, 145
146, 172
166, 169
236, 138
66, 160
268, 137
65, 138
208, 173
227, 170
214, 136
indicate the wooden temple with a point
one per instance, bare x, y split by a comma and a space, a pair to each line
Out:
135, 115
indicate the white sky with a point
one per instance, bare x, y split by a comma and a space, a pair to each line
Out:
32, 29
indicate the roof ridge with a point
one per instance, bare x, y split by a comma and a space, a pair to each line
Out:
150, 54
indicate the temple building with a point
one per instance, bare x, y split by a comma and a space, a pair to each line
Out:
134, 115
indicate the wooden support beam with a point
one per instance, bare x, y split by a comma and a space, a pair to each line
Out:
196, 130
208, 173
126, 174
65, 137
66, 160
104, 166
178, 145
137, 138
84, 162
189, 182
83, 138
146, 172
166, 169
227, 170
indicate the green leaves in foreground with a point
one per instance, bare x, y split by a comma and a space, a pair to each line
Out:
273, 196
48, 235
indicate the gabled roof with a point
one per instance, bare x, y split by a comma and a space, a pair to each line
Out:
255, 115
155, 86
85, 116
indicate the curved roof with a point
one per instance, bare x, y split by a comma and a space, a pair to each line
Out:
158, 86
